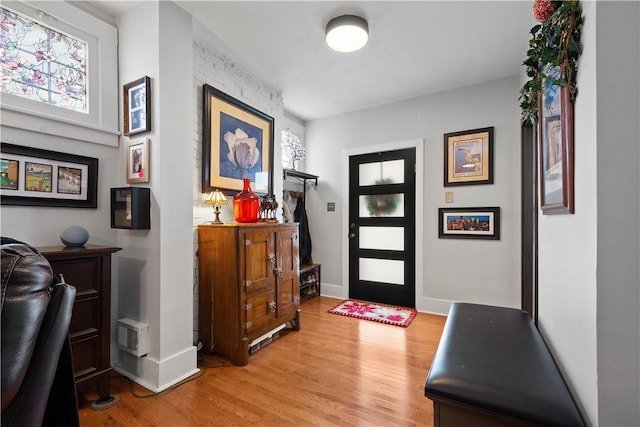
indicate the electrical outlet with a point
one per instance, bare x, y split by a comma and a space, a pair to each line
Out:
448, 197
331, 206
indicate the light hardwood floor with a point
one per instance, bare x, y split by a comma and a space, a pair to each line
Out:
335, 371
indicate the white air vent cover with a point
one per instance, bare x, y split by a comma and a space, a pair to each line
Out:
133, 337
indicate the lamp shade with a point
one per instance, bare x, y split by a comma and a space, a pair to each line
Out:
216, 198
347, 33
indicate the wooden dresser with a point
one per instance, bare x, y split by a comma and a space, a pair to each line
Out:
248, 284
88, 268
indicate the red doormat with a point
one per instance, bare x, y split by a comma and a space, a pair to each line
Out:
390, 314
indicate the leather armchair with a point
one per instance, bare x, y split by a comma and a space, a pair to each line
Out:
38, 385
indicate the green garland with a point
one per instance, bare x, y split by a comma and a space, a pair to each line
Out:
555, 43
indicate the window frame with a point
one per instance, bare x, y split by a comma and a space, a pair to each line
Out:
100, 124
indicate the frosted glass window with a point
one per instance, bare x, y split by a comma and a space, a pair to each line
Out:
382, 238
382, 270
381, 205
41, 64
390, 172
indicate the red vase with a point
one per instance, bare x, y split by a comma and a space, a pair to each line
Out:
246, 204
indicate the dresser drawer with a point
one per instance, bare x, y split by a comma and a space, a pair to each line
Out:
84, 274
85, 356
86, 317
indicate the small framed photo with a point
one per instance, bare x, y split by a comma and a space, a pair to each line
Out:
468, 157
469, 223
138, 161
137, 106
555, 134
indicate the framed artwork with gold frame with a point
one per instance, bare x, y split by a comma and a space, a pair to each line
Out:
468, 157
237, 143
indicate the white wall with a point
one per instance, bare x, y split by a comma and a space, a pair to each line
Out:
42, 226
588, 262
148, 274
567, 254
618, 273
479, 271
155, 266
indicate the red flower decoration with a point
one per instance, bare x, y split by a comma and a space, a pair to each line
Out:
543, 9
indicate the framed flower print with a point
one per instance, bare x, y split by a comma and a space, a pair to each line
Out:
237, 143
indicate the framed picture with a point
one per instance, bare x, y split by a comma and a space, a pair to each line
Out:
469, 223
35, 177
138, 161
468, 157
137, 106
237, 143
555, 134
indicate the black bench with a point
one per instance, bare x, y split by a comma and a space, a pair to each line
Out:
492, 368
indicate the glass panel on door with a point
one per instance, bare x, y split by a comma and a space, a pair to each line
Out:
384, 238
376, 173
382, 270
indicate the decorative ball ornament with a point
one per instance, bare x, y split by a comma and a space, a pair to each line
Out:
543, 9
74, 236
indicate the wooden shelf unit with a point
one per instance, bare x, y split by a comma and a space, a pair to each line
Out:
301, 176
309, 273
309, 281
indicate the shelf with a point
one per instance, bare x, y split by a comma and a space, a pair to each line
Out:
300, 175
309, 281
308, 267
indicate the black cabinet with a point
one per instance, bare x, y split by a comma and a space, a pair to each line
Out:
131, 208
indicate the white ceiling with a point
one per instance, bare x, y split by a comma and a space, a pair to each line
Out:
415, 47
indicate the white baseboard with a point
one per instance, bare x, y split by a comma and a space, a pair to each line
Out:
434, 306
158, 375
332, 291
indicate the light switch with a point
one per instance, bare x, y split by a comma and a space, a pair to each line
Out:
448, 197
331, 206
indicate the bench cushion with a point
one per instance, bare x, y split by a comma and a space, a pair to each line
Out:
494, 358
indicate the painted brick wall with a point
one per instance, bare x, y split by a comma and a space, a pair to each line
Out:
223, 73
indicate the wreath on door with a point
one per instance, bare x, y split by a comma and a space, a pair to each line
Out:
382, 204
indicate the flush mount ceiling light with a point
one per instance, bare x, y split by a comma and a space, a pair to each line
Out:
347, 33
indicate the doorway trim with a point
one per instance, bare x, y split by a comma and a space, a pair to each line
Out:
418, 144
